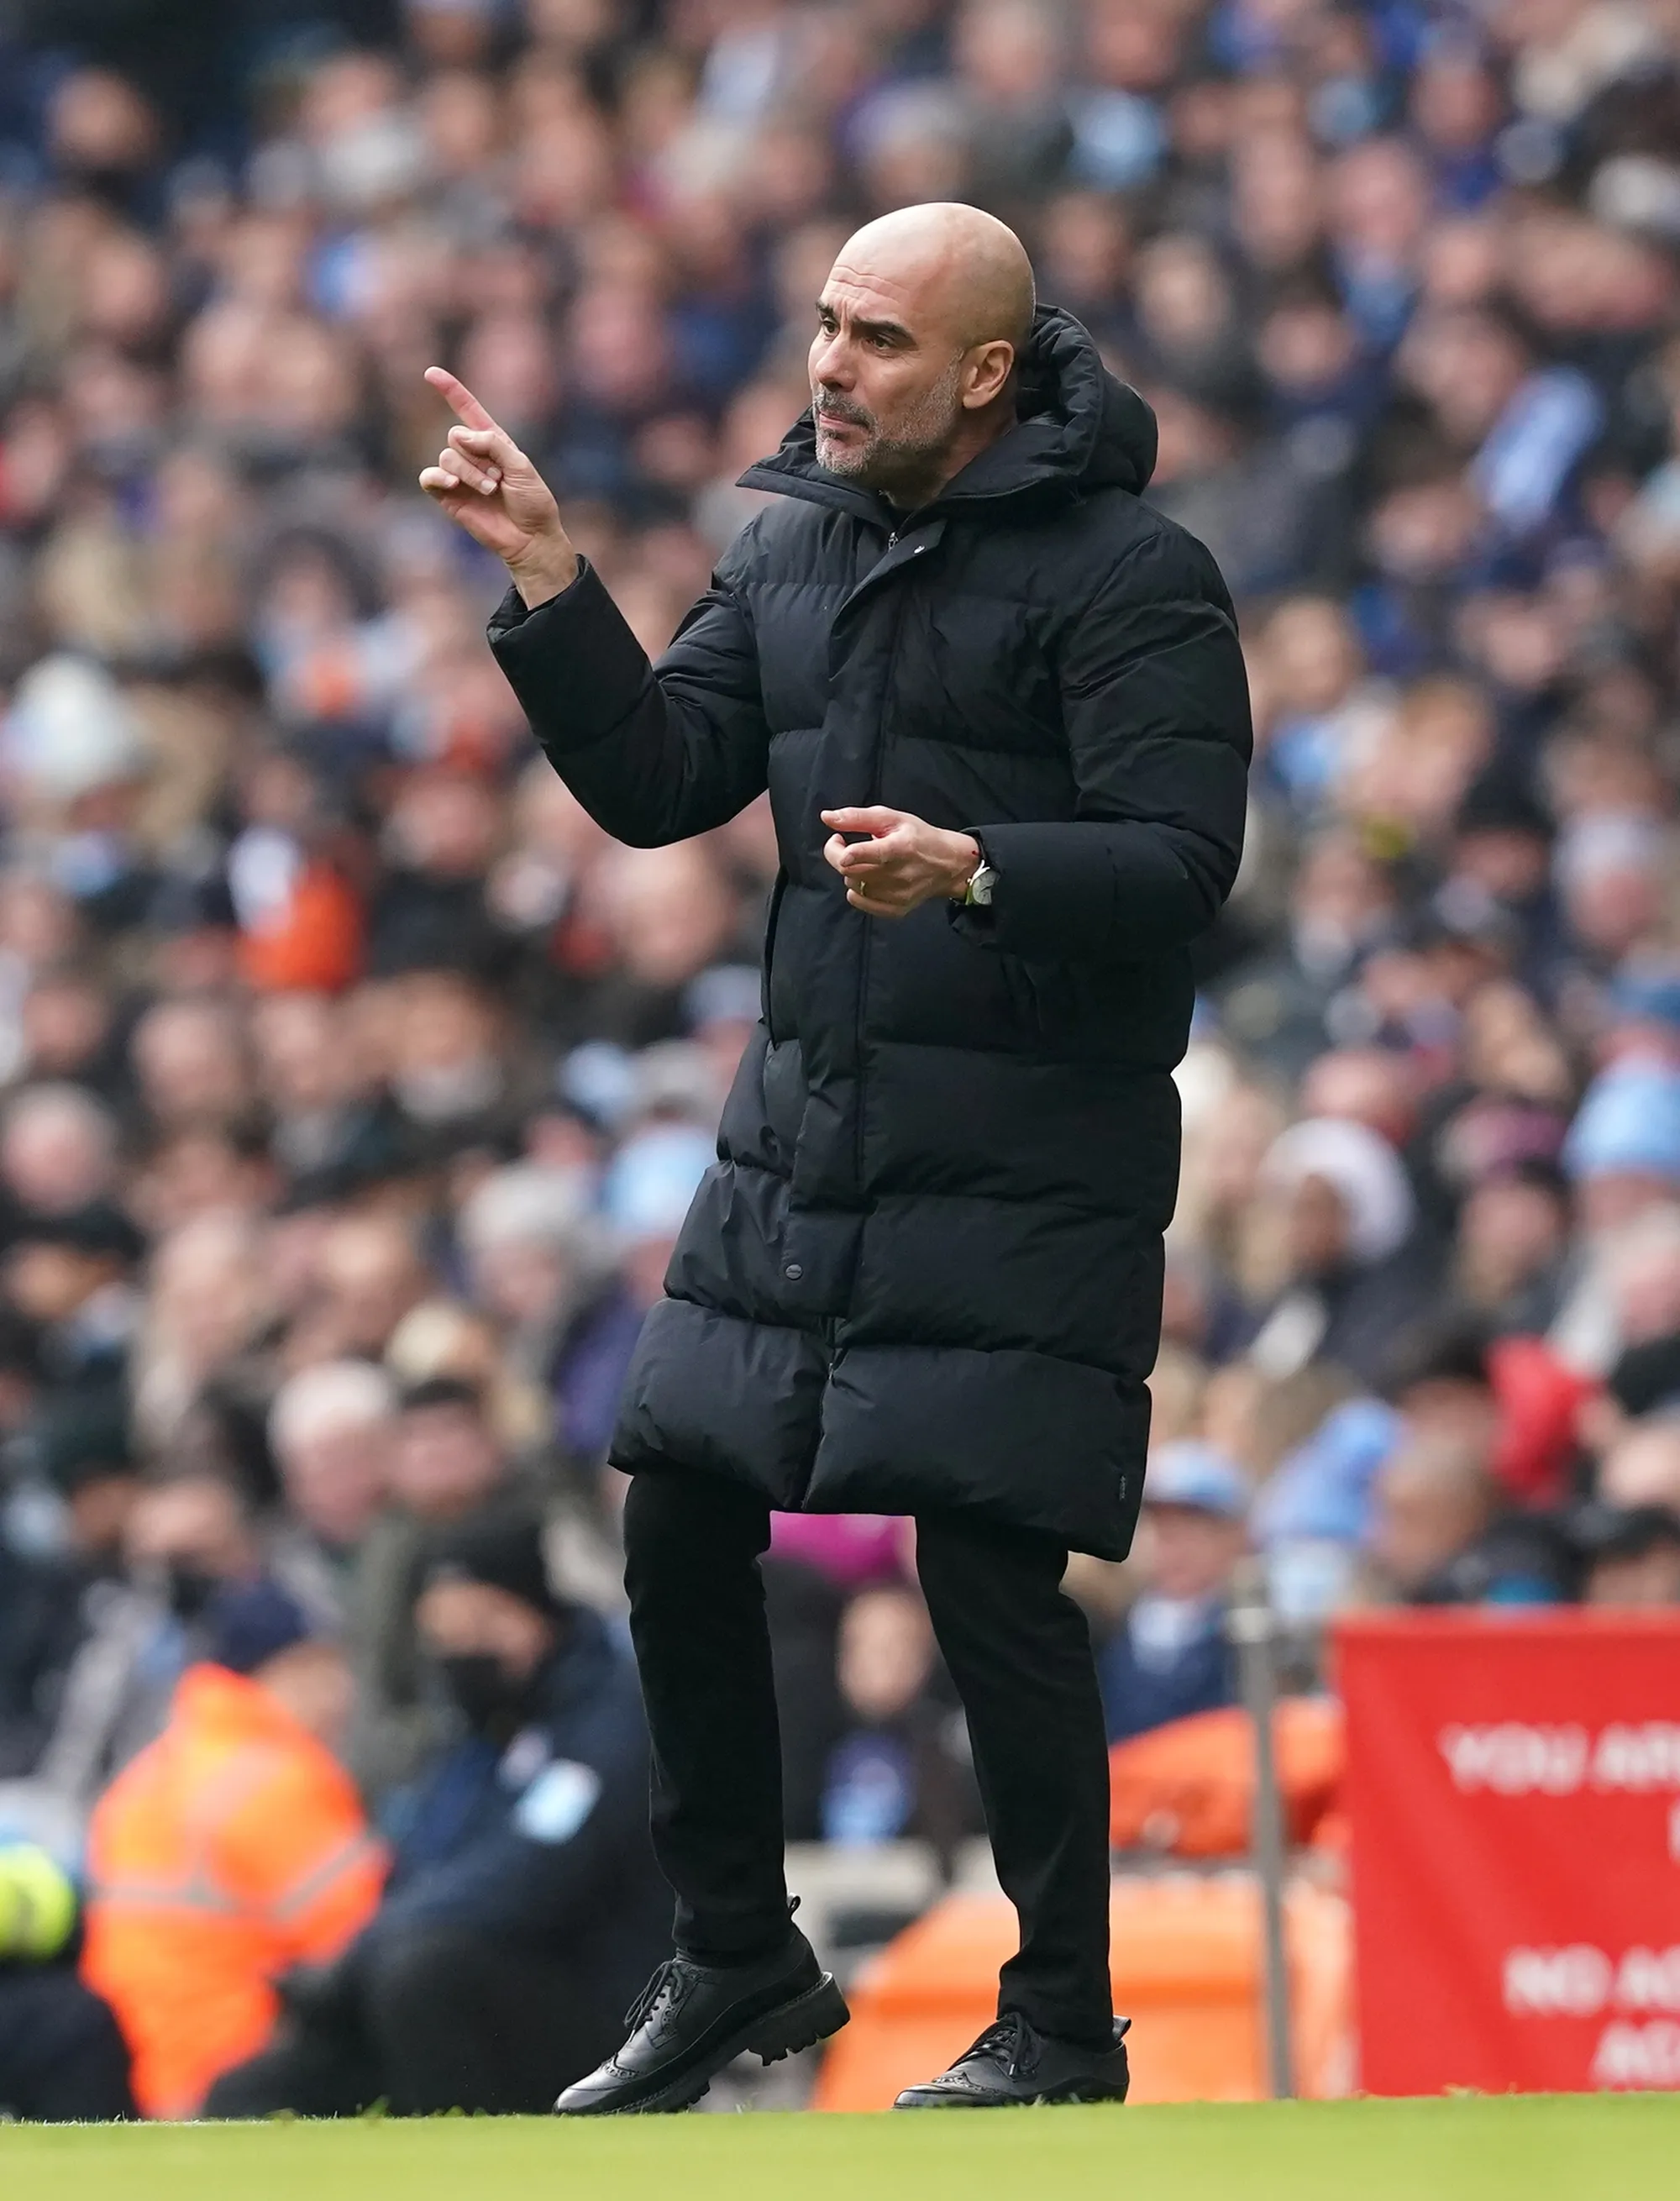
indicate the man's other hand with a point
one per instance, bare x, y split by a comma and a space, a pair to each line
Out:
904, 862
487, 485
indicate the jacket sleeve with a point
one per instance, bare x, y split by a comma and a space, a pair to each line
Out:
654, 753
1156, 708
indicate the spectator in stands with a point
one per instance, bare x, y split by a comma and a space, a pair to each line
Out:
230, 1849
1442, 1534
446, 1460
900, 1769
539, 1261
70, 1276
62, 2059
1632, 1554
58, 1153
40, 1629
48, 1601
330, 1124
367, 1272
331, 1430
1170, 1657
1356, 1271
208, 1310
1642, 1466
189, 1540
523, 1905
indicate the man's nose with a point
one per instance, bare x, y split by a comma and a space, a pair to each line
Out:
829, 362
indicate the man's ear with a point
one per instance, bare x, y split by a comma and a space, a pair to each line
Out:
988, 372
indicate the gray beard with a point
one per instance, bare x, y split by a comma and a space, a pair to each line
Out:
912, 454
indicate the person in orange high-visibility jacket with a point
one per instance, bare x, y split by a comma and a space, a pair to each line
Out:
233, 1848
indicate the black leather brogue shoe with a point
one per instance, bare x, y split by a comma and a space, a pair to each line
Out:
1014, 2066
694, 2018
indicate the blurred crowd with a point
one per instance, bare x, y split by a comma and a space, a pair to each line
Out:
353, 1084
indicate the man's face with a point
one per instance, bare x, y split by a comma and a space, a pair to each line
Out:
1189, 1553
488, 1646
49, 1282
1422, 1520
190, 1536
521, 1280
886, 1652
885, 380
101, 1507
369, 1277
473, 1620
1316, 1226
446, 1461
335, 1479
302, 1046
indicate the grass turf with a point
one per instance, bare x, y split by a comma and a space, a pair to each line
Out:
1557, 2148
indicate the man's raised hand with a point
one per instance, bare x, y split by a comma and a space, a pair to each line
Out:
487, 485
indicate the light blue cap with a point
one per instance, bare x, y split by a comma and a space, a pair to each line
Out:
1191, 1474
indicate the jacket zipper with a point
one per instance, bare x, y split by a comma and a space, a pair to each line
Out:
875, 796
828, 1343
829, 1325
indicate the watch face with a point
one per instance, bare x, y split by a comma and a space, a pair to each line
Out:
981, 887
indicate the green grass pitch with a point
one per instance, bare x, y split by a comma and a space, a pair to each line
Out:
1573, 2148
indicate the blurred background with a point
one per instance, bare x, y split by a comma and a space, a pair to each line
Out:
353, 1084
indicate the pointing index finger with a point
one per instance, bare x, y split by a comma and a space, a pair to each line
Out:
454, 393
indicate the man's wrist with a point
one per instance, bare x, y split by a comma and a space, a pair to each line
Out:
545, 572
968, 860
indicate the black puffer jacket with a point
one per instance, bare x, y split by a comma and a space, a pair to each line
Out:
925, 1272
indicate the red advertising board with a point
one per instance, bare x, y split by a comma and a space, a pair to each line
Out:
1514, 1791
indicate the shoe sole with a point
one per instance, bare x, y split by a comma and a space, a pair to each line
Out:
810, 2017
916, 2097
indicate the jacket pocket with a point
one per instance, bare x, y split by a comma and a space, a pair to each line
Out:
1053, 1008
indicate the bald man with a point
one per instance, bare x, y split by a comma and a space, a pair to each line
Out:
1000, 709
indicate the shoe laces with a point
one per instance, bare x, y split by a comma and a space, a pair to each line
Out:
664, 1991
1012, 2034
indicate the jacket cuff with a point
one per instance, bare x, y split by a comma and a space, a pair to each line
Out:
582, 631
1088, 890
514, 611
1054, 894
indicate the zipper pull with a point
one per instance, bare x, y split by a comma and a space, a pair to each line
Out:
892, 542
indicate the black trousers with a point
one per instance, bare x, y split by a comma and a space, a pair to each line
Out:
443, 2019
63, 2060
1019, 1653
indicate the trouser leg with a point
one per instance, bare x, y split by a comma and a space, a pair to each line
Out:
692, 1544
1020, 1652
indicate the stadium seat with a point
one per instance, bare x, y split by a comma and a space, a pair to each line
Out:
1187, 1789
1186, 1967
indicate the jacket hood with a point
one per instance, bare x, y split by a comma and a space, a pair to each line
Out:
1080, 428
